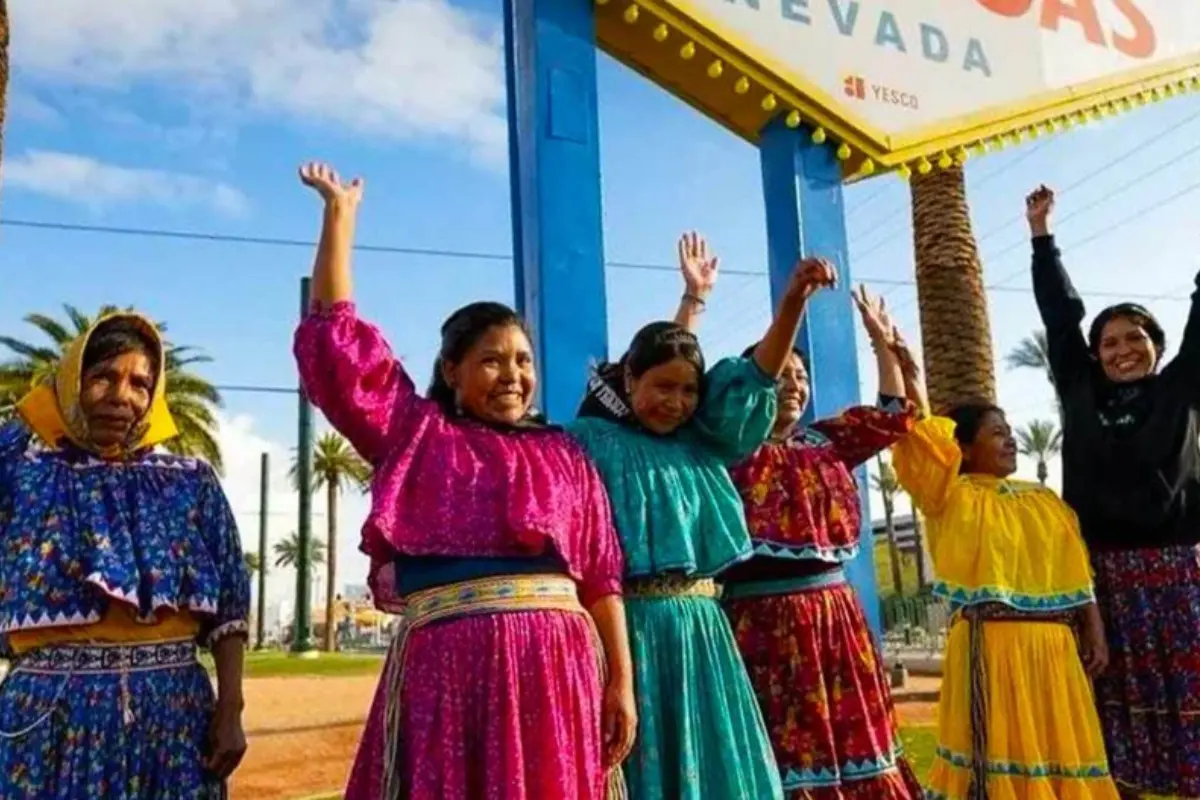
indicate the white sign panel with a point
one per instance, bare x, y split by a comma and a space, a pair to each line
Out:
904, 65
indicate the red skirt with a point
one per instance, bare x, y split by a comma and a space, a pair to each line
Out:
823, 689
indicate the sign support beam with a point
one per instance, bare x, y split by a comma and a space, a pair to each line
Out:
554, 158
802, 186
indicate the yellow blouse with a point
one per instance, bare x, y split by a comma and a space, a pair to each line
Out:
119, 625
991, 539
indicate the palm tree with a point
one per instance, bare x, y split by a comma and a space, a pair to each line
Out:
888, 486
287, 552
1041, 440
336, 467
955, 333
191, 399
1031, 353
252, 562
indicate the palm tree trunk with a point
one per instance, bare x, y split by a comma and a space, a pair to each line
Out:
4, 36
1043, 471
955, 332
919, 538
331, 572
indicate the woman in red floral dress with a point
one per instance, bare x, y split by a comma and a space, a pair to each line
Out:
815, 667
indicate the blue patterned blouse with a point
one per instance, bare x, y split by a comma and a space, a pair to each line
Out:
156, 532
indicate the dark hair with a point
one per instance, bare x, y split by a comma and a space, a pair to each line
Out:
800, 354
968, 419
1136, 314
461, 331
119, 336
654, 345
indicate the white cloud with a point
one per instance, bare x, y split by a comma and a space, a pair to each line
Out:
80, 179
392, 68
242, 448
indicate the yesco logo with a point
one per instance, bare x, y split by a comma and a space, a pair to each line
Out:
858, 88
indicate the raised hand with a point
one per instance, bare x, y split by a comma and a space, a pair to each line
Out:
326, 182
1038, 207
698, 265
809, 277
875, 317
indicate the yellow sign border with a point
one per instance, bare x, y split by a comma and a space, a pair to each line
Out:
702, 62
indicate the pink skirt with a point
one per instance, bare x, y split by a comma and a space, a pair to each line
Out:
499, 706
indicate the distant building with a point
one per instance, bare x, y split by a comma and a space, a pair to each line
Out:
906, 539
355, 593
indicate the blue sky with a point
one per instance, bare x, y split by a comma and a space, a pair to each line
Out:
167, 114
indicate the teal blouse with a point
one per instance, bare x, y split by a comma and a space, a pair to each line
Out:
674, 504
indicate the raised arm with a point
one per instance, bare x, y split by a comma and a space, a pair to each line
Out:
1185, 367
699, 268
882, 333
810, 276
346, 366
1058, 303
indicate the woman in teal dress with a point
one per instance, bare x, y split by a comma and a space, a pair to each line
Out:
661, 431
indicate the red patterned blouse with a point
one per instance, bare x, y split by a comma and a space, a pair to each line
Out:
801, 497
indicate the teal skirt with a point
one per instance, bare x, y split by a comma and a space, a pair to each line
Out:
700, 732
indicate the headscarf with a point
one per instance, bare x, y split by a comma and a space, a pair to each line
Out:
53, 411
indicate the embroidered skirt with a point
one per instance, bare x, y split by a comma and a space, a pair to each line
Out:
1150, 695
700, 732
492, 691
1041, 734
822, 687
120, 722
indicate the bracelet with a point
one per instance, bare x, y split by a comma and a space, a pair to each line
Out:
694, 299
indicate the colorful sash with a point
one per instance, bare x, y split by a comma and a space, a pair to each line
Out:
665, 586
495, 595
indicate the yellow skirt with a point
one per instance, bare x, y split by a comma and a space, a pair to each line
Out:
1044, 740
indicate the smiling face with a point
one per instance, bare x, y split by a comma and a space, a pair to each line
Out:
495, 381
793, 391
1126, 351
993, 451
665, 396
115, 396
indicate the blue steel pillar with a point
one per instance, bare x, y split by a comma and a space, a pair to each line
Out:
554, 158
803, 191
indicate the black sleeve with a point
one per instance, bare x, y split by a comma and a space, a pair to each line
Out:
1062, 312
1185, 367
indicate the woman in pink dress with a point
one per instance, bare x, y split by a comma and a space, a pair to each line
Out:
490, 534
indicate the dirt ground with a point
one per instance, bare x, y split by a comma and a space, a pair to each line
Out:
303, 731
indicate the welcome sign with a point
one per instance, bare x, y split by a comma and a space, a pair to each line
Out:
900, 83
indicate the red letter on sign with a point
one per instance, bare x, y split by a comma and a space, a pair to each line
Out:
1144, 41
1083, 12
1007, 8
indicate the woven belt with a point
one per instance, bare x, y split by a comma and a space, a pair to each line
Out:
494, 595
976, 617
671, 586
92, 658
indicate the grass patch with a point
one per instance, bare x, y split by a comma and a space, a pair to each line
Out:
919, 746
277, 663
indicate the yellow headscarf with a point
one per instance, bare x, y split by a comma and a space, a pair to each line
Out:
53, 411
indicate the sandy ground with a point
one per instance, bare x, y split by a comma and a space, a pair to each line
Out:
303, 731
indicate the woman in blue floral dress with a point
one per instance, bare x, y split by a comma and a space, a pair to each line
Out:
116, 560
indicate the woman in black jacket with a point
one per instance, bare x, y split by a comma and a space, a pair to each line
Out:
1131, 471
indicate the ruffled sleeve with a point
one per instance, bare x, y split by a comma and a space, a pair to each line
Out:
927, 463
348, 371
738, 408
604, 565
861, 432
224, 544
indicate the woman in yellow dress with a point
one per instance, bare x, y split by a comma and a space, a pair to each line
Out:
1017, 720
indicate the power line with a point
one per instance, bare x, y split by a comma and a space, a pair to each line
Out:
1087, 177
257, 389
